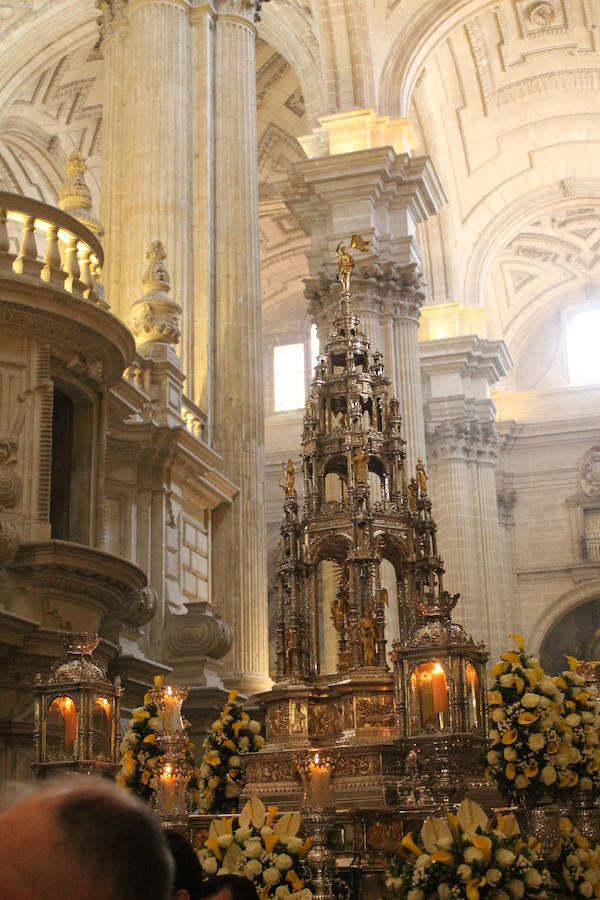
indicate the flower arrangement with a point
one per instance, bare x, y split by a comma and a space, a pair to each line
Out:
574, 863
580, 729
264, 849
220, 776
463, 857
527, 756
141, 754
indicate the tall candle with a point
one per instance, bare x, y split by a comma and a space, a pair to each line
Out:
439, 689
168, 792
170, 715
319, 775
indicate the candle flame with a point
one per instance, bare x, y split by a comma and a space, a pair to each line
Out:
316, 759
437, 668
169, 691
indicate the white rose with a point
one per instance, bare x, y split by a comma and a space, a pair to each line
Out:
284, 862
209, 865
547, 687
244, 743
493, 757
529, 700
533, 879
254, 726
521, 782
283, 891
225, 840
574, 755
416, 894
271, 875
422, 861
507, 680
587, 717
234, 762
131, 737
253, 868
444, 892
204, 770
253, 849
242, 834
498, 714
294, 844
586, 889
504, 857
573, 719
516, 888
464, 872
510, 753
494, 735
493, 876
536, 741
586, 784
265, 831
472, 854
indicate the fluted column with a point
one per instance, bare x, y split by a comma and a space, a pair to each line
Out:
150, 181
239, 556
405, 369
491, 543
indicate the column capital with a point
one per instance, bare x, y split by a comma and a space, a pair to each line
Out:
244, 9
463, 438
112, 12
383, 288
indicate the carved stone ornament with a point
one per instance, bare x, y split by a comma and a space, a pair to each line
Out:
247, 8
542, 14
590, 472
155, 314
75, 196
199, 633
9, 542
10, 483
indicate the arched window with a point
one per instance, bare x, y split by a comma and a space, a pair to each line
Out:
583, 339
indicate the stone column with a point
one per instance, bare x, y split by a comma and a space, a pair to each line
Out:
147, 177
462, 443
239, 579
382, 194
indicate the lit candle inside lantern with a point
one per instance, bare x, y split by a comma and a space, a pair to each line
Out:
170, 715
439, 689
69, 713
168, 793
319, 775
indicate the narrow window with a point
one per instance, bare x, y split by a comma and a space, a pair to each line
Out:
583, 339
288, 371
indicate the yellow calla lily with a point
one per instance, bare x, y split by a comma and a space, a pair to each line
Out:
409, 844
305, 847
453, 820
511, 657
233, 693
158, 680
213, 844
271, 813
270, 841
560, 682
264, 892
442, 856
225, 712
236, 727
499, 669
527, 718
296, 882
510, 736
483, 843
531, 678
510, 771
495, 698
473, 888
230, 745
573, 662
520, 684
531, 770
518, 639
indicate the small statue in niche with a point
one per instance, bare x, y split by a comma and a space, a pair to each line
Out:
413, 494
298, 719
422, 476
289, 649
367, 636
290, 472
360, 466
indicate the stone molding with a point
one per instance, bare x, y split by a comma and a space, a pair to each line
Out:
465, 438
199, 633
246, 9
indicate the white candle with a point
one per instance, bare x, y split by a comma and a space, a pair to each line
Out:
319, 775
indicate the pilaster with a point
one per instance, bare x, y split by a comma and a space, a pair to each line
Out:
463, 450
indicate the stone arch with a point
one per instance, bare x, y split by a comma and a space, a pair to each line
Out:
569, 601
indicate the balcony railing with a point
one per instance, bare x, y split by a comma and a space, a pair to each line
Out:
51, 246
590, 548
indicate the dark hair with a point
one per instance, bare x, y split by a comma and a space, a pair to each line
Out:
117, 841
239, 888
188, 871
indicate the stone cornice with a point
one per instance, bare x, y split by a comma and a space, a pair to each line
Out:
244, 9
470, 355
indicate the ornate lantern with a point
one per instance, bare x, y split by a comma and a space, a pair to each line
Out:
77, 712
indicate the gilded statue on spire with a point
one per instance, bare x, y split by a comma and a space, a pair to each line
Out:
346, 261
290, 473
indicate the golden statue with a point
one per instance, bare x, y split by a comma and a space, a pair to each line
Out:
422, 476
339, 608
367, 636
360, 466
346, 261
289, 649
413, 494
288, 485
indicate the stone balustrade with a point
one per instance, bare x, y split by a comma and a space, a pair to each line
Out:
195, 419
51, 246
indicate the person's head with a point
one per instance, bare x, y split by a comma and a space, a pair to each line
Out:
188, 871
83, 837
228, 887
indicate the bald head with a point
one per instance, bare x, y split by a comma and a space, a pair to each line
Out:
82, 837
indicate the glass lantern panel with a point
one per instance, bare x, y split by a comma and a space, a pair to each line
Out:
472, 695
61, 728
429, 690
101, 728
